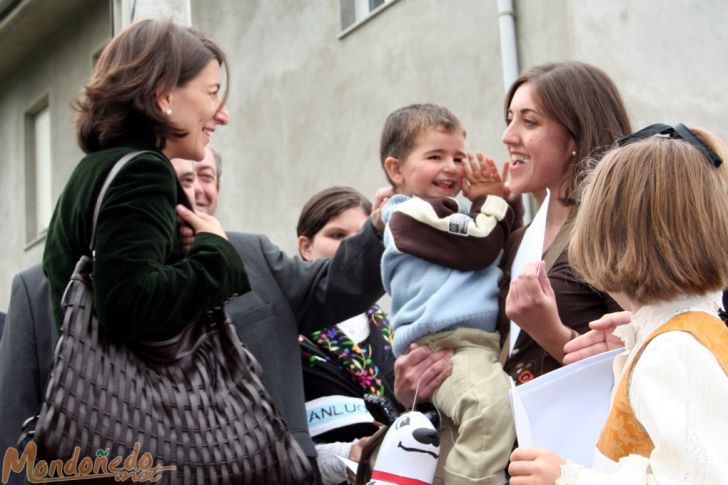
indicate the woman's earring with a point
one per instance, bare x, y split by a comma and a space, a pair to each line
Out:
573, 154
168, 112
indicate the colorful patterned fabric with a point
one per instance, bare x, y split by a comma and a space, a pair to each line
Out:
362, 361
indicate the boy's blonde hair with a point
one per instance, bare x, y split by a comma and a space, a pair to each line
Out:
403, 126
653, 221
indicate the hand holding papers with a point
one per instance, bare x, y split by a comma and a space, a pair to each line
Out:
565, 410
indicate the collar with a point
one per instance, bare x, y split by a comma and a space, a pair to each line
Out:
356, 328
649, 317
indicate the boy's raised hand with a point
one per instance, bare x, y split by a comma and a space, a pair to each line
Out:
482, 177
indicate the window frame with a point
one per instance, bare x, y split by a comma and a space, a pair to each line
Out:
38, 193
357, 23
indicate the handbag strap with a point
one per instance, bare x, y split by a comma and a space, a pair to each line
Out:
109, 178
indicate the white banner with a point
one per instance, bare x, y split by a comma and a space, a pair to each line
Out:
331, 412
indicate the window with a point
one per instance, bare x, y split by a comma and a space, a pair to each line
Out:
39, 198
356, 12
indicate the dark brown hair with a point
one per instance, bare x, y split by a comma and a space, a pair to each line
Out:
149, 56
326, 204
403, 126
585, 101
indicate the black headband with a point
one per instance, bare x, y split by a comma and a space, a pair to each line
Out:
679, 131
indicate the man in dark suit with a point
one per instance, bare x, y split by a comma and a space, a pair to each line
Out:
2, 323
288, 297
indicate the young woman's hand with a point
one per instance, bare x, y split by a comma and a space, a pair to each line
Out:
200, 222
482, 177
422, 367
531, 303
599, 339
534, 466
380, 198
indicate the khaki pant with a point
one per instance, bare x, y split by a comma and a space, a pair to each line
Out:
475, 398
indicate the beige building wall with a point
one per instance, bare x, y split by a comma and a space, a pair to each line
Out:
308, 104
51, 58
669, 58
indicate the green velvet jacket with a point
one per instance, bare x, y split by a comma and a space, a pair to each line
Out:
145, 287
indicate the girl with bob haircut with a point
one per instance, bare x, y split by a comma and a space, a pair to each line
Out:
652, 230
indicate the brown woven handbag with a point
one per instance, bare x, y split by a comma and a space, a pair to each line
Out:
194, 403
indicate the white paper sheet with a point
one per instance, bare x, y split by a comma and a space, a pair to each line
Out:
530, 250
565, 410
351, 465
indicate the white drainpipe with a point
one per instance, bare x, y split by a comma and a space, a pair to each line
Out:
509, 46
509, 61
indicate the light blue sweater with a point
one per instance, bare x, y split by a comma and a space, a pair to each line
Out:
429, 298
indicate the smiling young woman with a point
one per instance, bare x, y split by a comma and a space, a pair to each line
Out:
558, 116
540, 147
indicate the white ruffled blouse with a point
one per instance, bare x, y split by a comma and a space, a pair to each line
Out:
679, 393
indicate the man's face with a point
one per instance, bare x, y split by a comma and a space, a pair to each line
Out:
185, 170
207, 185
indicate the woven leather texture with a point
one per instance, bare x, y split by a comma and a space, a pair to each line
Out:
195, 401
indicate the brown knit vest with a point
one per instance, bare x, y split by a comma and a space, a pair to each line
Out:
623, 434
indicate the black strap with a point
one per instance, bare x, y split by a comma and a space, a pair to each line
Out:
109, 178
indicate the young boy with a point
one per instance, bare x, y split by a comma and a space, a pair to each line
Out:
440, 267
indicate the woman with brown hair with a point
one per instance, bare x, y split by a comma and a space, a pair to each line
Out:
156, 87
558, 115
167, 369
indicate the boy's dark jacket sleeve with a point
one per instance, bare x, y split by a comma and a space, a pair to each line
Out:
433, 229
